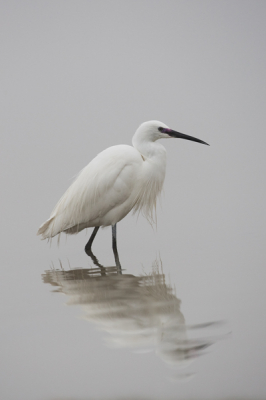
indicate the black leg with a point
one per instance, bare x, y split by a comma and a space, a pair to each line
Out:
88, 245
115, 249
90, 253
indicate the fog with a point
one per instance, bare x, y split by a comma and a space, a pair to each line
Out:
76, 78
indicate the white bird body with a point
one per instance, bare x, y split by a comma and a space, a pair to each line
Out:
117, 180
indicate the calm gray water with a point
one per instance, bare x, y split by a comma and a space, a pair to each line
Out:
186, 318
141, 313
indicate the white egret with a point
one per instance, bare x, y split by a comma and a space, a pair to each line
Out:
117, 180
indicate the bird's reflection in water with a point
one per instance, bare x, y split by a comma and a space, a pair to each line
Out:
140, 312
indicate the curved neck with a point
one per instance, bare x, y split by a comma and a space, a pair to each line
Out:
148, 148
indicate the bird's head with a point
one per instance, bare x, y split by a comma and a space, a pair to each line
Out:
154, 130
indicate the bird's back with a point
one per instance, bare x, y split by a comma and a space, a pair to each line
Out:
102, 194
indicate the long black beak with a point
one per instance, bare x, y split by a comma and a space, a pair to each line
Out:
182, 136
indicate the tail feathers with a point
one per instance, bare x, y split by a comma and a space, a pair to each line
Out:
56, 224
46, 229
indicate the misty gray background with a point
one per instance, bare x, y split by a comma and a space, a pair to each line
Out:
79, 76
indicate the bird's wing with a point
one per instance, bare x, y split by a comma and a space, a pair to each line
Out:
105, 183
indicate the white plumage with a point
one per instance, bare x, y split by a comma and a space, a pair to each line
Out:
117, 180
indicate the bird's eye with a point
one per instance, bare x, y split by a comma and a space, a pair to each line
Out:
163, 130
